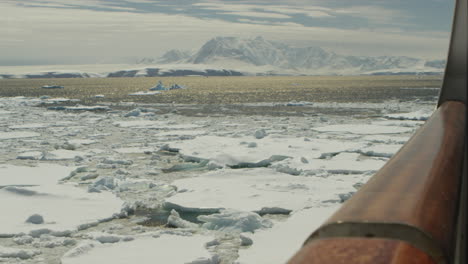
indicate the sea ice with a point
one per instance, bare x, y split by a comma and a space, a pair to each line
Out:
18, 134
279, 243
259, 134
363, 129
49, 241
399, 123
343, 163
31, 155
386, 139
146, 250
134, 150
182, 133
158, 87
106, 238
35, 190
87, 108
35, 219
29, 126
42, 174
145, 93
381, 150
148, 124
63, 154
174, 220
234, 221
134, 112
8, 252
420, 115
81, 141
253, 190
231, 151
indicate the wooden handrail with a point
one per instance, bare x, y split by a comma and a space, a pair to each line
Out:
360, 250
412, 199
414, 210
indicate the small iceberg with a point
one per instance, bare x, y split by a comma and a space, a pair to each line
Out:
176, 87
52, 87
158, 87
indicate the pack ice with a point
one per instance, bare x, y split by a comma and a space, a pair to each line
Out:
118, 185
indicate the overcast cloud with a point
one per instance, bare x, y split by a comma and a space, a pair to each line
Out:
103, 31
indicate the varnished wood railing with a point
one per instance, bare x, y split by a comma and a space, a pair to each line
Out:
414, 210
407, 212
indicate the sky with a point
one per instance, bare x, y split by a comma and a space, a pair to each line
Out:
35, 32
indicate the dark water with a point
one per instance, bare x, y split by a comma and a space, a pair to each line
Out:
234, 95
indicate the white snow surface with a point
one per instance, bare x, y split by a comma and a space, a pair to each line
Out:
35, 190
347, 163
147, 250
253, 190
363, 129
18, 134
81, 141
234, 150
274, 245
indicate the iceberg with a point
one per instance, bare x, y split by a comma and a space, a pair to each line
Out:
158, 87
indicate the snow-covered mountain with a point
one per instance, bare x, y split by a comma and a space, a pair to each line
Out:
258, 53
232, 56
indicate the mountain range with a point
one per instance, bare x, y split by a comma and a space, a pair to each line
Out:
232, 56
275, 57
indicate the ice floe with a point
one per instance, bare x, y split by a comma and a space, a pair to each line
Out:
63, 154
381, 150
26, 191
18, 253
147, 250
80, 108
29, 126
279, 243
233, 151
363, 129
396, 139
134, 150
145, 93
256, 190
421, 115
18, 134
81, 141
399, 123
30, 155
337, 163
234, 221
148, 124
